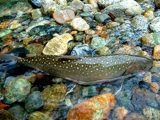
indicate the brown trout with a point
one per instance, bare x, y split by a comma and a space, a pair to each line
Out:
88, 70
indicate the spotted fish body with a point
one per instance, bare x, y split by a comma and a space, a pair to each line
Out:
89, 70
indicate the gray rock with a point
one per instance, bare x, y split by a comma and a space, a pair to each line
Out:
34, 101
140, 22
98, 42
18, 112
125, 7
17, 90
101, 17
82, 50
155, 24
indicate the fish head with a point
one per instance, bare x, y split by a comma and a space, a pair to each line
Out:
145, 64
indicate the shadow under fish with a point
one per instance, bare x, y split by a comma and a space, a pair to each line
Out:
86, 70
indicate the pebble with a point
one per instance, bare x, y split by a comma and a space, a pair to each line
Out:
134, 116
151, 39
93, 108
155, 24
147, 77
154, 87
106, 3
157, 2
5, 115
35, 49
101, 17
93, 3
149, 14
37, 3
39, 116
151, 113
17, 90
49, 6
63, 16
127, 7
36, 13
79, 24
77, 5
82, 50
5, 32
98, 42
119, 113
89, 91
58, 45
156, 52
104, 51
140, 22
18, 112
34, 101
53, 95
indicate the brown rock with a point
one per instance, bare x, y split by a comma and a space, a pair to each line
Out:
154, 87
157, 2
120, 113
63, 16
134, 116
156, 52
96, 108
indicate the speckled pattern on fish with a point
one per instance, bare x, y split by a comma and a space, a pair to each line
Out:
89, 70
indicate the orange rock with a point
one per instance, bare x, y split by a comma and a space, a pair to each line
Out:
4, 24
120, 113
156, 52
63, 16
3, 106
96, 108
154, 87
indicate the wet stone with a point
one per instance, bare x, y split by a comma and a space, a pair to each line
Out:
155, 24
134, 116
89, 91
17, 89
34, 101
151, 113
18, 112
36, 13
82, 50
100, 17
140, 22
36, 3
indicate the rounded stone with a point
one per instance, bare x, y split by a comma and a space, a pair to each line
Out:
155, 24
140, 22
98, 42
63, 16
58, 45
157, 2
34, 101
17, 90
79, 24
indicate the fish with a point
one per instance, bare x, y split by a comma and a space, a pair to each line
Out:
88, 70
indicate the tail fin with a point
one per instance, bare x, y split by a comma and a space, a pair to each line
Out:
7, 61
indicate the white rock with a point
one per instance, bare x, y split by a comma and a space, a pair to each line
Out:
79, 24
58, 45
50, 6
129, 7
107, 2
155, 24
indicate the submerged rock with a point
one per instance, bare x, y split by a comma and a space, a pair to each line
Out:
82, 50
58, 45
63, 16
5, 115
53, 95
39, 116
16, 90
79, 24
34, 101
128, 7
151, 113
18, 112
95, 108
155, 24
